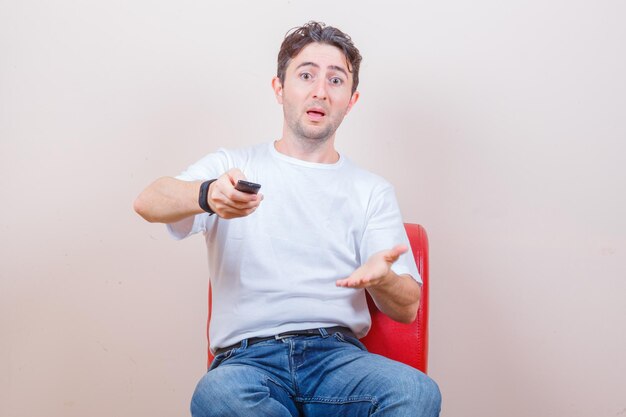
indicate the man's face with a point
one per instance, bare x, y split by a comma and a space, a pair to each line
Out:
317, 92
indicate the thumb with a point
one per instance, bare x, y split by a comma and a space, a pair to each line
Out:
235, 175
395, 252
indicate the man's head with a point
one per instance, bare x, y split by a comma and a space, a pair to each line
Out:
298, 38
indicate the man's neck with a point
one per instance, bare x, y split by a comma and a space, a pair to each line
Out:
309, 150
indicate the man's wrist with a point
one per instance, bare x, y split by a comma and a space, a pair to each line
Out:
203, 197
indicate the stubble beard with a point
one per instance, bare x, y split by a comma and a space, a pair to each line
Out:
311, 136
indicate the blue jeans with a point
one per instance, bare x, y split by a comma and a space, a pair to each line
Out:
312, 376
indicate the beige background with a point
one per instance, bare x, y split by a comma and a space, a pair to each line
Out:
502, 124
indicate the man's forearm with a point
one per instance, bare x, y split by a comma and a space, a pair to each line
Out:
398, 298
168, 200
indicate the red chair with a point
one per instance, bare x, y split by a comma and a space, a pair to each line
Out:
407, 343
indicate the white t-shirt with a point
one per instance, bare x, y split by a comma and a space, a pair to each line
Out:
275, 270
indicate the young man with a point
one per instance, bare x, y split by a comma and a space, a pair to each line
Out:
289, 267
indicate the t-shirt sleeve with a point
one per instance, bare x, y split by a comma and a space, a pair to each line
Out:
189, 226
385, 229
209, 167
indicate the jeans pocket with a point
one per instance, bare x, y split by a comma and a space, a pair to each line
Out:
221, 358
349, 339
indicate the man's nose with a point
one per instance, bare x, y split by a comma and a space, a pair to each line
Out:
319, 89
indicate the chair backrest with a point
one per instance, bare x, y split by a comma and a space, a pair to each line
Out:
407, 343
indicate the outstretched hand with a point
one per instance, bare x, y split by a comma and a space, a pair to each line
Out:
375, 271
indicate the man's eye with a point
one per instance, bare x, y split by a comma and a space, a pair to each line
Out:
305, 76
336, 81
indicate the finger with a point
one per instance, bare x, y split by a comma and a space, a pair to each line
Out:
234, 202
354, 282
235, 175
228, 208
225, 191
395, 252
354, 285
241, 197
232, 213
343, 282
347, 284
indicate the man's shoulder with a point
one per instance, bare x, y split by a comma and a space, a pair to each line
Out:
365, 177
221, 160
235, 157
246, 153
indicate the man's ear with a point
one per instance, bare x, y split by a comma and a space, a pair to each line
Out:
353, 100
277, 86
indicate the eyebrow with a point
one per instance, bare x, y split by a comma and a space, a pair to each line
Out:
333, 67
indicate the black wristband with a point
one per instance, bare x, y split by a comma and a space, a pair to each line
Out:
202, 198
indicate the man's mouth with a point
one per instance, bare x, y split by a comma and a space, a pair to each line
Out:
316, 114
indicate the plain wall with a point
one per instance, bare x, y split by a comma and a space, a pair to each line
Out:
501, 123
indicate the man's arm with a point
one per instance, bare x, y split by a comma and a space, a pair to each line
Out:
168, 200
398, 296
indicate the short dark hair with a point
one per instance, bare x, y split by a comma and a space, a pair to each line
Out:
297, 38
